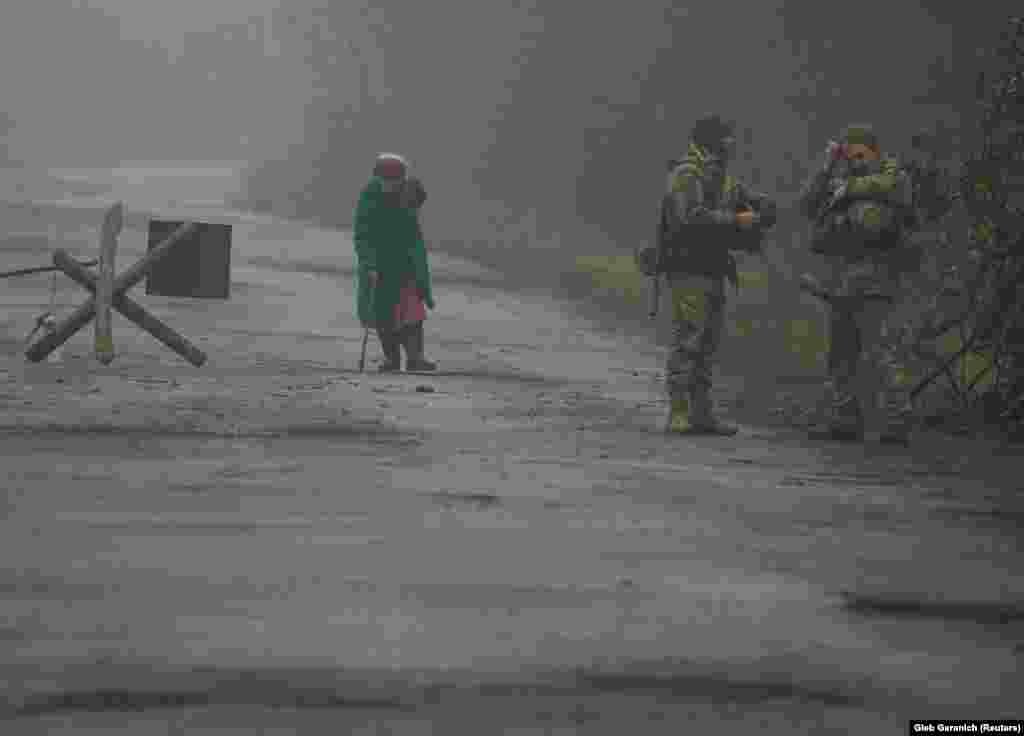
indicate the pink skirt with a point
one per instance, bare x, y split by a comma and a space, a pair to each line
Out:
410, 308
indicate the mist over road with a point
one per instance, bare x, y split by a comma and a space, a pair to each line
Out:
274, 541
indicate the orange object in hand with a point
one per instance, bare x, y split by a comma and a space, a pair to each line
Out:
745, 217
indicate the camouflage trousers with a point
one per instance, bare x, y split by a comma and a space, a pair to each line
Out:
698, 320
869, 367
870, 359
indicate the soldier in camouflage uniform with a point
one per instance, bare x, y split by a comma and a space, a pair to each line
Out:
862, 208
705, 214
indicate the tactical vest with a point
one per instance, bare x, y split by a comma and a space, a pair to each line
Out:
860, 227
698, 249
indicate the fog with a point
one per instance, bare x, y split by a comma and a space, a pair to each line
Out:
97, 82
539, 125
535, 124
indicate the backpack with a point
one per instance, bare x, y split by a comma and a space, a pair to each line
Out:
860, 226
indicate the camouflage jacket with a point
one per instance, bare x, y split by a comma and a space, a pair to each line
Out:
887, 183
697, 227
858, 268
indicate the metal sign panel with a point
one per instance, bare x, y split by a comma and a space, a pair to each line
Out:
198, 268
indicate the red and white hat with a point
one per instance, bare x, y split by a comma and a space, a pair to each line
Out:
390, 166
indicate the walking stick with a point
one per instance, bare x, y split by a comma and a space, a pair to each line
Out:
366, 336
362, 356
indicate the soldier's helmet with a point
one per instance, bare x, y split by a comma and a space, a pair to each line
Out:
710, 131
860, 133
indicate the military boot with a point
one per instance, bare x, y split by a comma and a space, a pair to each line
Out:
678, 420
703, 421
844, 424
414, 360
389, 344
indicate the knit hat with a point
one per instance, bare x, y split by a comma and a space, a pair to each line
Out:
860, 134
390, 166
709, 130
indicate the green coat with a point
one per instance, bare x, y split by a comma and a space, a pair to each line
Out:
388, 240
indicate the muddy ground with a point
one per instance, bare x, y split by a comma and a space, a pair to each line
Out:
275, 543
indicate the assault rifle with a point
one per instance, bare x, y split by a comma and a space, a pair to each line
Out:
833, 201
647, 263
649, 259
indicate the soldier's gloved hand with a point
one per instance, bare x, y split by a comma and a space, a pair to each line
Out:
747, 219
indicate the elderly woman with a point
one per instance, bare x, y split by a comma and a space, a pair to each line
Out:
393, 278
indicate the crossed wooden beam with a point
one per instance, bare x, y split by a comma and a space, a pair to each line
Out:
109, 292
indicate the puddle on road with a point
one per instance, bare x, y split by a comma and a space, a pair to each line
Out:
244, 470
513, 598
474, 500
843, 480
34, 585
204, 521
983, 517
897, 606
188, 429
278, 696
152, 443
485, 482
494, 374
708, 684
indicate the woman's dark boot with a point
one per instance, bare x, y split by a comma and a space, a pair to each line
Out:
390, 345
414, 360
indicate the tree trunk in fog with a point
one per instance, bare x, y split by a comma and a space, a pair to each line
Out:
545, 128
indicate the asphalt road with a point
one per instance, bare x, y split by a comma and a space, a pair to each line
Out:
273, 543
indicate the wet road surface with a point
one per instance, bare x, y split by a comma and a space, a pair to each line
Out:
274, 542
